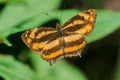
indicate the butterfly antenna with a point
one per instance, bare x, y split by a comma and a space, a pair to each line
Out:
50, 62
47, 14
62, 12
61, 15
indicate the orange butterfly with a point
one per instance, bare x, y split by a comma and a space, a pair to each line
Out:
65, 41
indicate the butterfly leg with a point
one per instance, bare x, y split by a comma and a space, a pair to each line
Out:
79, 53
52, 61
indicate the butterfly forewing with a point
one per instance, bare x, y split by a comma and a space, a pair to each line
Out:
82, 23
37, 38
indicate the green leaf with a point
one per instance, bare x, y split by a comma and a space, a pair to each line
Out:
14, 14
106, 23
11, 69
39, 20
58, 71
13, 1
2, 1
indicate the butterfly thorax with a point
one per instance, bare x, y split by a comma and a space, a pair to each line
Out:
60, 35
59, 30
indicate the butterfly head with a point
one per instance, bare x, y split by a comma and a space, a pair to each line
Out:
59, 30
58, 26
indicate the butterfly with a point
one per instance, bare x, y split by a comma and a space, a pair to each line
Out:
65, 41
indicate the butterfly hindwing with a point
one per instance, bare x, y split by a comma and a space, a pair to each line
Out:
82, 23
52, 51
74, 43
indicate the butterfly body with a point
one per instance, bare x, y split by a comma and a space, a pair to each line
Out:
64, 41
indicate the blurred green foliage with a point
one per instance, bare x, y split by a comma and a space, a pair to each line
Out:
20, 15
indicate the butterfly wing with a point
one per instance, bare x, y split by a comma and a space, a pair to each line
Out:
82, 23
74, 43
52, 50
37, 38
